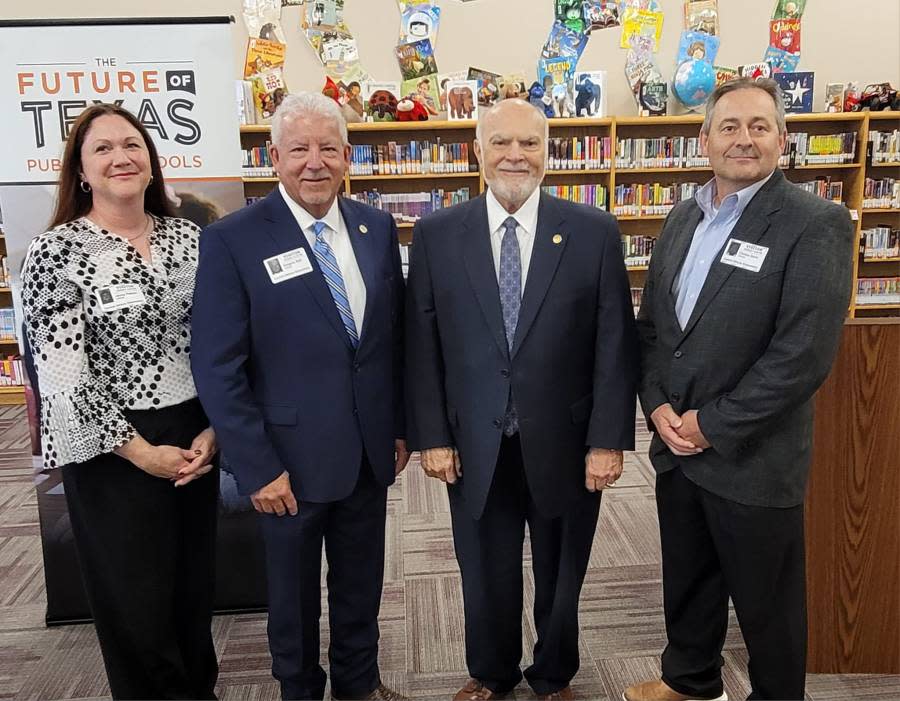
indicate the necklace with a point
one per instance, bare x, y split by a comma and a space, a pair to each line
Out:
143, 233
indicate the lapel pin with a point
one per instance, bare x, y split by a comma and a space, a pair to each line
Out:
557, 239
363, 229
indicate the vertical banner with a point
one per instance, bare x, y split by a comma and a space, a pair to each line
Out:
177, 76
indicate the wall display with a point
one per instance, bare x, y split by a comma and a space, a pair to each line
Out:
171, 76
589, 90
640, 65
698, 46
380, 100
419, 21
724, 74
702, 16
755, 70
488, 85
797, 90
641, 23
653, 99
600, 14
326, 31
263, 19
462, 102
780, 60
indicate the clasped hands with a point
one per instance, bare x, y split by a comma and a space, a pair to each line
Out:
681, 434
170, 462
601, 467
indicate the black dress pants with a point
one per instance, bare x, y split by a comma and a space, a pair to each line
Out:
713, 548
352, 530
489, 553
147, 554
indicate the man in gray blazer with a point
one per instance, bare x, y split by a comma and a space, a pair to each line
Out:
740, 321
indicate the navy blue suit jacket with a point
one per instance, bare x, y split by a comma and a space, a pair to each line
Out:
573, 365
274, 367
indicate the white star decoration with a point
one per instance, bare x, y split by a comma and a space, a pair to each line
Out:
797, 93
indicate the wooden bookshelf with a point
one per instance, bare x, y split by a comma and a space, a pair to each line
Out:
851, 175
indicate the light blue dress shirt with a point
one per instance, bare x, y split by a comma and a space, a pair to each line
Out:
710, 236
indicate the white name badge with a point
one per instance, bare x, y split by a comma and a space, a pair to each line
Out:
741, 254
288, 265
113, 297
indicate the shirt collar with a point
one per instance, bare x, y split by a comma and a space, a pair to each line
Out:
738, 201
332, 218
526, 215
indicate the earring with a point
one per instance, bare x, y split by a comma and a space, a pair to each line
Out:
85, 186
151, 180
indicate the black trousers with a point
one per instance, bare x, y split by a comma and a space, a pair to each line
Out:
489, 553
147, 556
713, 548
353, 534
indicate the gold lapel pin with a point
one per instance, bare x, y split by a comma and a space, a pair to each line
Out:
557, 239
363, 229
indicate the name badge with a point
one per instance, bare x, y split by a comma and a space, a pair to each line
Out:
288, 265
747, 256
113, 297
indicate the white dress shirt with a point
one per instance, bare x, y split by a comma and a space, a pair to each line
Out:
526, 218
336, 235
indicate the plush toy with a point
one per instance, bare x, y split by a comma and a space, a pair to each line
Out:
331, 90
408, 110
382, 106
539, 99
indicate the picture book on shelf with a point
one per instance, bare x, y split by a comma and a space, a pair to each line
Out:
797, 90
589, 89
488, 85
268, 92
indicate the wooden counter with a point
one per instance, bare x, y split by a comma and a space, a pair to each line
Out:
853, 507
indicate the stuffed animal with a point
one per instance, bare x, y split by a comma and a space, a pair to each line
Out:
539, 99
382, 106
331, 90
408, 110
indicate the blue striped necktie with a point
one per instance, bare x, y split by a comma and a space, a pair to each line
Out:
331, 271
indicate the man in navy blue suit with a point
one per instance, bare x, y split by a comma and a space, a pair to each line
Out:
297, 357
521, 359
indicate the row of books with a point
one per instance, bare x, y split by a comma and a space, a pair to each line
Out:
636, 294
660, 152
594, 195
8, 326
804, 149
579, 153
257, 162
412, 158
642, 199
825, 188
881, 194
885, 146
412, 206
879, 243
637, 250
12, 372
878, 290
4, 271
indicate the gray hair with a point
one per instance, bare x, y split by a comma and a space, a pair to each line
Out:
483, 114
310, 105
767, 85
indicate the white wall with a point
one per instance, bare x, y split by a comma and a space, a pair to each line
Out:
841, 40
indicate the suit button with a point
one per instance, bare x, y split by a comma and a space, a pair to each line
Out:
356, 367
676, 396
356, 412
504, 372
678, 354
498, 423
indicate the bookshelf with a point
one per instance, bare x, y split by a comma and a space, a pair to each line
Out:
599, 176
9, 346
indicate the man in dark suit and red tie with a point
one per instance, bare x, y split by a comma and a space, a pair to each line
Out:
521, 382
297, 357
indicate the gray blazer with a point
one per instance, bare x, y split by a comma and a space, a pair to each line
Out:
756, 347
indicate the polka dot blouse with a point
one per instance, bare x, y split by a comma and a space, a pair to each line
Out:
94, 364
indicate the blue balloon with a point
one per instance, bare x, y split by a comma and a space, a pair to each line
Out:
693, 83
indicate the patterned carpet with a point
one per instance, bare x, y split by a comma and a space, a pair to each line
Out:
421, 624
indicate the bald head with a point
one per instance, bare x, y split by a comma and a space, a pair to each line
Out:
511, 146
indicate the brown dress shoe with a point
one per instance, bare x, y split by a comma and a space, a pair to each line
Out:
564, 694
474, 690
384, 693
658, 690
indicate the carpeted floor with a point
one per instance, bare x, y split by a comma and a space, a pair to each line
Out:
421, 624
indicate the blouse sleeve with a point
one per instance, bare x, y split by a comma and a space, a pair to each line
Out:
79, 417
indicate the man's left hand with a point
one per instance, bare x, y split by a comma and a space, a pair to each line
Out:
690, 430
602, 468
401, 456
